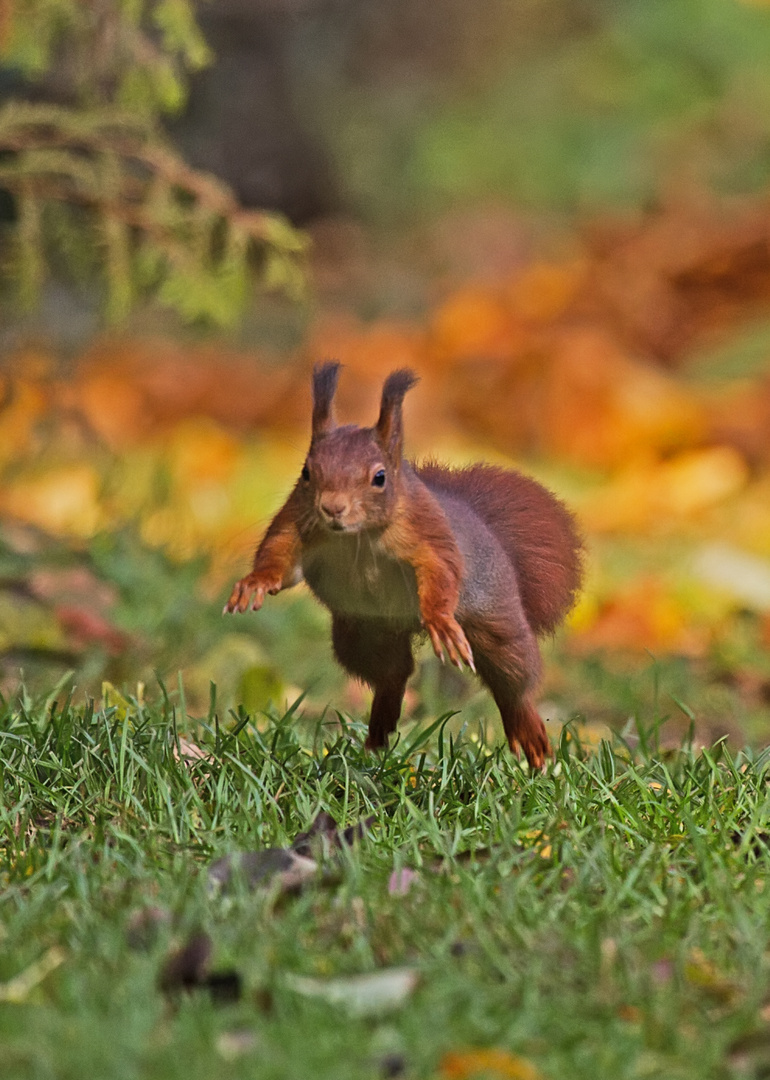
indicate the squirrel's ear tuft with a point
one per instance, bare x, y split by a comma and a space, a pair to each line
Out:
324, 386
390, 426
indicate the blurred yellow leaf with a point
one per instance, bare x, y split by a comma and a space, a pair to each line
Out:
172, 527
63, 499
113, 699
649, 494
696, 480
748, 523
200, 451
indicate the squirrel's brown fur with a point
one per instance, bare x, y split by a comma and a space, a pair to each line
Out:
482, 558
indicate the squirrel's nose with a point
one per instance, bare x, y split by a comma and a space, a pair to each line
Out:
333, 506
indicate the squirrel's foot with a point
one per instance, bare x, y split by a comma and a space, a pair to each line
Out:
534, 742
250, 592
445, 632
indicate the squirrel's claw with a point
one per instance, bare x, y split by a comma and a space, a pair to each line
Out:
435, 641
249, 592
233, 604
446, 633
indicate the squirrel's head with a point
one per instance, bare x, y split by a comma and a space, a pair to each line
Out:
350, 475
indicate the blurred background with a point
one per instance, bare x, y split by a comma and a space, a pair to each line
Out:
556, 211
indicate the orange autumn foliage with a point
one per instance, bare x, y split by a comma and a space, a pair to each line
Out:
128, 388
643, 616
474, 323
600, 407
483, 1062
575, 395
583, 363
25, 404
545, 291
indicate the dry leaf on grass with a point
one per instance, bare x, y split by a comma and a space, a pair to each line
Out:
187, 968
273, 867
17, 990
401, 881
487, 1063
360, 995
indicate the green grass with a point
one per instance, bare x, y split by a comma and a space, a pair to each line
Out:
606, 919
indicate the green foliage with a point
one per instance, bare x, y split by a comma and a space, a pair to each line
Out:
131, 53
607, 919
98, 175
609, 112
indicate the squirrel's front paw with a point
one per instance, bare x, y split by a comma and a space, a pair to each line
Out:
251, 592
445, 632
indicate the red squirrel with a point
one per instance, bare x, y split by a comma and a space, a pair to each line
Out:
484, 559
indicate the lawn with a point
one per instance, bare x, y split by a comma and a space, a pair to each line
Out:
607, 918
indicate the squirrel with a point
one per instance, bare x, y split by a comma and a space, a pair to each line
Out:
484, 559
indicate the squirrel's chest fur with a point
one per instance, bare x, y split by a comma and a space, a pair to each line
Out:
353, 575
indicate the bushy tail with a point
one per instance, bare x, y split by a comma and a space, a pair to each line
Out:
536, 531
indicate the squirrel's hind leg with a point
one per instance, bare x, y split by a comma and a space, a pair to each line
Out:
510, 668
524, 728
381, 657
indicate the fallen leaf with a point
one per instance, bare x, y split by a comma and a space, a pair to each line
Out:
360, 995
703, 973
187, 968
17, 990
187, 750
232, 1045
401, 881
465, 1064
274, 866
325, 834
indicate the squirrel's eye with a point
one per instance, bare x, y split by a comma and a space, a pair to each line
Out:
305, 474
378, 480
